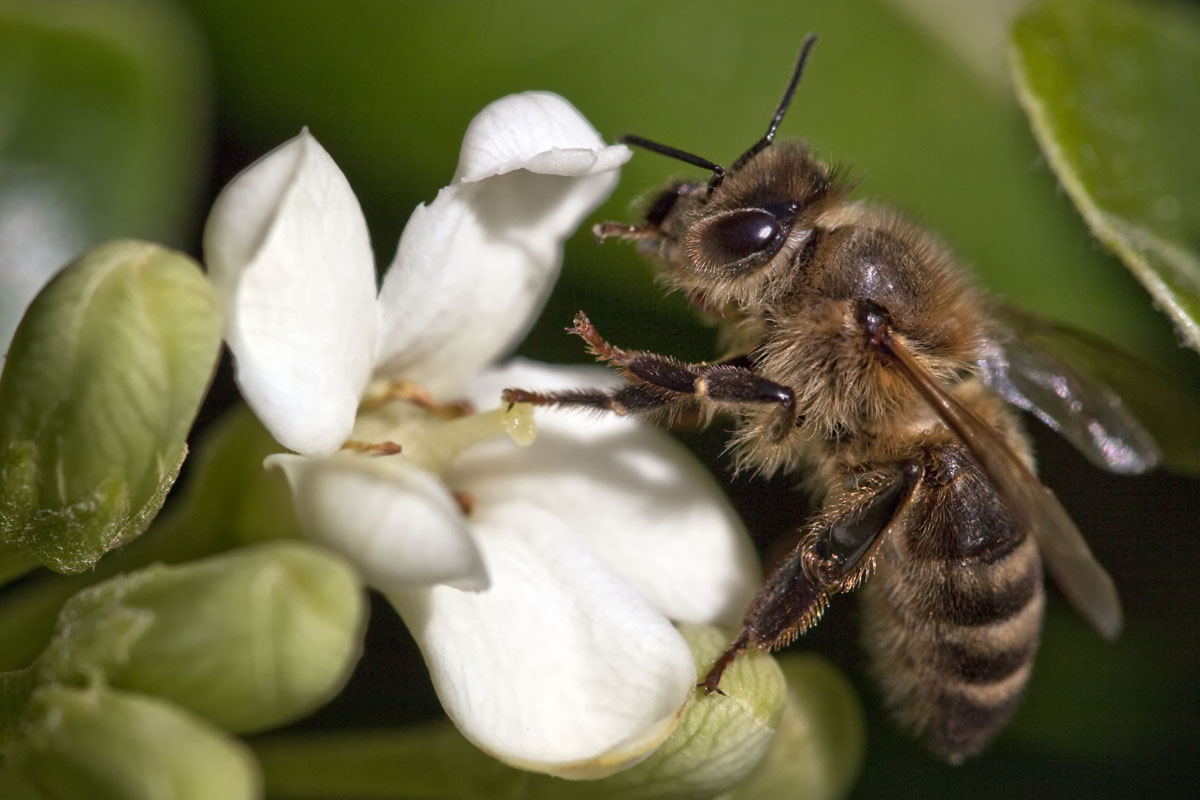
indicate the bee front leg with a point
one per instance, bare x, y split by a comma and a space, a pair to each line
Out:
631, 399
835, 555
658, 381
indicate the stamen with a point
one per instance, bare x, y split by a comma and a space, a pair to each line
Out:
382, 393
372, 448
465, 501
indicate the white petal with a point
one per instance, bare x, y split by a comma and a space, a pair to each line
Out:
634, 495
287, 247
396, 523
536, 131
474, 267
560, 666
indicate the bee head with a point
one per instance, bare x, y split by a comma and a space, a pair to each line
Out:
722, 240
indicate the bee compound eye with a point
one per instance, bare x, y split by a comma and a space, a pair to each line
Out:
741, 235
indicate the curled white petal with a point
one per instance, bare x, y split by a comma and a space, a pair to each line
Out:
397, 524
560, 666
287, 248
635, 496
535, 131
475, 266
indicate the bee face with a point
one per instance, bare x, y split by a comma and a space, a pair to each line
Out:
738, 243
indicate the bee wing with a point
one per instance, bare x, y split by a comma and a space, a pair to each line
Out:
1085, 583
1086, 411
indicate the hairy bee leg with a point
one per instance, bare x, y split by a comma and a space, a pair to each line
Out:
835, 555
712, 680
724, 383
631, 399
617, 230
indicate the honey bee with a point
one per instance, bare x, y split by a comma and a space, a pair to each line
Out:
861, 356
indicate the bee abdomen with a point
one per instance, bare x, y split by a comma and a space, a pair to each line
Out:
952, 639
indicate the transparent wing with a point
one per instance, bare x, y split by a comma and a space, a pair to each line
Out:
1084, 582
1087, 413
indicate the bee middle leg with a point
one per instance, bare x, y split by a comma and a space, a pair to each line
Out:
658, 381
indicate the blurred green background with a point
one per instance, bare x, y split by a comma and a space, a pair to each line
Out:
125, 117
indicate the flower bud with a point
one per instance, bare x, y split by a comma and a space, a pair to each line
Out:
720, 739
249, 639
104, 377
105, 744
818, 749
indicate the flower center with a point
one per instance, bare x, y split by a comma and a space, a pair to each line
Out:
399, 419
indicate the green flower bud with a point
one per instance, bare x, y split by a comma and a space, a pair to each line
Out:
818, 750
249, 639
720, 738
103, 744
101, 384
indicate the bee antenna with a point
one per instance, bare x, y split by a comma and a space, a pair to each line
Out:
718, 171
682, 155
780, 110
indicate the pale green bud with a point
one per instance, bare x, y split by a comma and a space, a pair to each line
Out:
101, 384
103, 744
249, 639
720, 738
818, 750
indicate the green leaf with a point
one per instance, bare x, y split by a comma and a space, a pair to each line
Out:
104, 378
104, 744
104, 110
1108, 87
248, 640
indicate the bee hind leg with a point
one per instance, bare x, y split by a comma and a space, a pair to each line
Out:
712, 680
834, 555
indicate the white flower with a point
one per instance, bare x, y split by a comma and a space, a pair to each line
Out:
540, 582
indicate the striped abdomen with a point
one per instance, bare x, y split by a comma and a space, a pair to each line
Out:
954, 611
